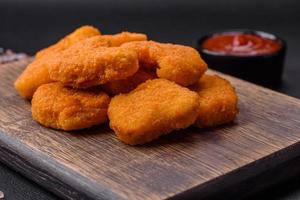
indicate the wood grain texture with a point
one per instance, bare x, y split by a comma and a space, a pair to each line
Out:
94, 164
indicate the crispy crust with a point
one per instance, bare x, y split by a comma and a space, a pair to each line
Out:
59, 107
218, 101
154, 108
79, 34
36, 73
130, 83
85, 64
178, 63
123, 37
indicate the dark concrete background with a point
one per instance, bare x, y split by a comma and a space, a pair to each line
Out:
28, 25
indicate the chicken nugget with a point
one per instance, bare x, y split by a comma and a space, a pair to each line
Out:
76, 36
218, 101
130, 83
36, 73
60, 107
124, 37
84, 64
178, 63
154, 108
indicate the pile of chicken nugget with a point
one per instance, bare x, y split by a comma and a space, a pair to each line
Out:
144, 88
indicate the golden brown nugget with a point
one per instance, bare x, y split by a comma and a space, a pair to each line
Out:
85, 32
59, 107
218, 101
178, 63
130, 83
85, 64
76, 36
36, 73
154, 108
124, 37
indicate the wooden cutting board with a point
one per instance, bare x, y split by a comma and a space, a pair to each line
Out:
94, 164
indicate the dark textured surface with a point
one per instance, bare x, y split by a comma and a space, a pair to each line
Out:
16, 187
29, 25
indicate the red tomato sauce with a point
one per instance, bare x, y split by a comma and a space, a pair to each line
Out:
241, 44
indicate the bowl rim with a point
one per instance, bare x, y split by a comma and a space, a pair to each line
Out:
238, 30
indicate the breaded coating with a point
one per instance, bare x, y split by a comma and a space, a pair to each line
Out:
36, 73
178, 63
130, 83
124, 37
76, 36
218, 101
85, 64
60, 107
154, 108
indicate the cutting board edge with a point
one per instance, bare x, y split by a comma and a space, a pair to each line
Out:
26, 160
70, 185
217, 184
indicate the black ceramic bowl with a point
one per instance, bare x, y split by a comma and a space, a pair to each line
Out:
264, 69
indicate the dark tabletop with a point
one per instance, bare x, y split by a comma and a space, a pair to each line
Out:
26, 26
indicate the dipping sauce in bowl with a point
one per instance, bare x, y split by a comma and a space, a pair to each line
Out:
241, 44
252, 55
